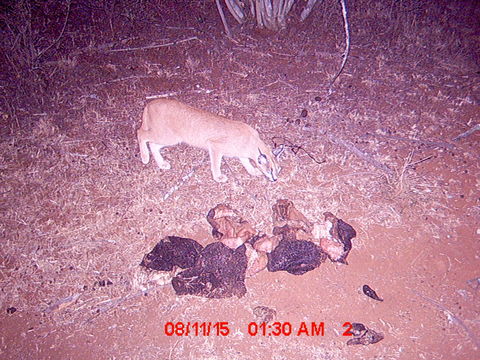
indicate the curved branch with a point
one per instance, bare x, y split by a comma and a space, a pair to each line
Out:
347, 40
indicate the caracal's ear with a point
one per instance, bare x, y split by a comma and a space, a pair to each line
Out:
262, 158
278, 150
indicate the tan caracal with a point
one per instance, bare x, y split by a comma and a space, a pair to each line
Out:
169, 122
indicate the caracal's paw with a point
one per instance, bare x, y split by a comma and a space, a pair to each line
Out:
220, 178
165, 165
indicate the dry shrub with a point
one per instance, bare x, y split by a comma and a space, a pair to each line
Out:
31, 34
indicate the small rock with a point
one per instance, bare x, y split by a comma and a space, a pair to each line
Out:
264, 314
11, 310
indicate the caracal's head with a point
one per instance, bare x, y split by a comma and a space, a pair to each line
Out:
268, 164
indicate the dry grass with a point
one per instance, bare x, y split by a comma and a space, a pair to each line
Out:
82, 211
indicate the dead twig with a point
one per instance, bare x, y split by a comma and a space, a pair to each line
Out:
420, 161
62, 303
467, 133
276, 82
347, 42
367, 157
452, 317
295, 148
110, 304
176, 42
179, 183
419, 141
175, 93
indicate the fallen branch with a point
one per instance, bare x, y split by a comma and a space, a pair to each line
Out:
154, 46
467, 133
368, 158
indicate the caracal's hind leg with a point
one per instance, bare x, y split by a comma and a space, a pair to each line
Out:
249, 167
215, 164
142, 142
161, 162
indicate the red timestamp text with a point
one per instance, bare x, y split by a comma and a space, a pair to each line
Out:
196, 328
277, 328
286, 329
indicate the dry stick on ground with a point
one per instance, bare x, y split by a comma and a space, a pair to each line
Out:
420, 161
222, 16
110, 304
175, 93
123, 79
347, 40
62, 303
368, 158
295, 148
183, 179
467, 133
154, 46
179, 183
420, 141
456, 320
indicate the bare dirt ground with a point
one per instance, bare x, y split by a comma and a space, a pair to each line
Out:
79, 209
